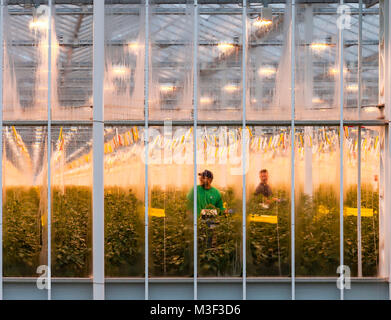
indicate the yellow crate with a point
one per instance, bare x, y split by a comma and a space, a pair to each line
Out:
263, 218
155, 212
365, 212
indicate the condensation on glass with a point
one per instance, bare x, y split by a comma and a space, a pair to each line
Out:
219, 150
124, 61
220, 62
268, 202
170, 167
25, 242
71, 192
124, 201
317, 192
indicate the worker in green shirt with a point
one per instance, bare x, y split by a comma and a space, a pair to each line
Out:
207, 196
209, 202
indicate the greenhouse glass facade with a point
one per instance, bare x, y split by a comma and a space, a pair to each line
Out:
112, 110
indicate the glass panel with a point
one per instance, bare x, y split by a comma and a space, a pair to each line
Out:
71, 169
170, 210
317, 64
25, 63
124, 201
220, 62
171, 63
268, 202
368, 239
24, 200
124, 68
219, 201
72, 62
372, 89
370, 178
350, 172
268, 62
317, 176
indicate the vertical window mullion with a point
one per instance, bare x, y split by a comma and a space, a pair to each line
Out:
244, 143
195, 118
146, 145
98, 151
341, 136
293, 49
49, 147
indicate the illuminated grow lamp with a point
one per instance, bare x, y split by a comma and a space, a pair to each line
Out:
333, 71
230, 88
317, 100
205, 100
167, 88
40, 24
318, 46
225, 46
266, 71
265, 19
133, 46
352, 87
120, 70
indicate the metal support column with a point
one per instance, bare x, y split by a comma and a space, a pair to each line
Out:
98, 154
293, 52
341, 140
244, 144
359, 102
146, 145
195, 118
49, 151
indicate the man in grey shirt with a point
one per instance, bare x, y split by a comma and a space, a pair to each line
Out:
263, 188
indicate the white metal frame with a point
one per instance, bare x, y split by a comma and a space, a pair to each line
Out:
98, 152
49, 154
98, 142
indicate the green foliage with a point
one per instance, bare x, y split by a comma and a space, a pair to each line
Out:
170, 237
268, 244
71, 235
21, 241
124, 240
223, 257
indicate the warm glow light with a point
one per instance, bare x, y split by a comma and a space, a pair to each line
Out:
205, 100
371, 109
133, 46
254, 100
167, 88
266, 71
120, 70
319, 46
39, 24
261, 23
333, 71
225, 46
352, 87
317, 100
230, 88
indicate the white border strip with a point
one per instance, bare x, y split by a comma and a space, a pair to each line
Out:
293, 64
98, 154
244, 143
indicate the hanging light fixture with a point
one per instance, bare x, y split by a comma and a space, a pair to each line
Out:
265, 19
